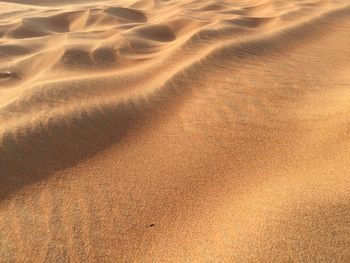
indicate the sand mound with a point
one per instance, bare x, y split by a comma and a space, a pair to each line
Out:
174, 131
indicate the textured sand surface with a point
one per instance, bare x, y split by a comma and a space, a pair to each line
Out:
175, 131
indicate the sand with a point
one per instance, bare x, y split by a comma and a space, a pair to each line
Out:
174, 131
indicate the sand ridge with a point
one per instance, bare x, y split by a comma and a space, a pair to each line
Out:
223, 125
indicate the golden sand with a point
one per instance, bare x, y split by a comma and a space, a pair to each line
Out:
175, 131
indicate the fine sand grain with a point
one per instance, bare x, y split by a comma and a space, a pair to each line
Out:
175, 131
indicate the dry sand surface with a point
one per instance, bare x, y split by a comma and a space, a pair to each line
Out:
175, 131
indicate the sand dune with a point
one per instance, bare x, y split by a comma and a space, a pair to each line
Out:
174, 131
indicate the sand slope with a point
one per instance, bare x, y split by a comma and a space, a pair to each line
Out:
174, 131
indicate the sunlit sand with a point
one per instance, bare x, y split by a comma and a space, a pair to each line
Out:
174, 131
